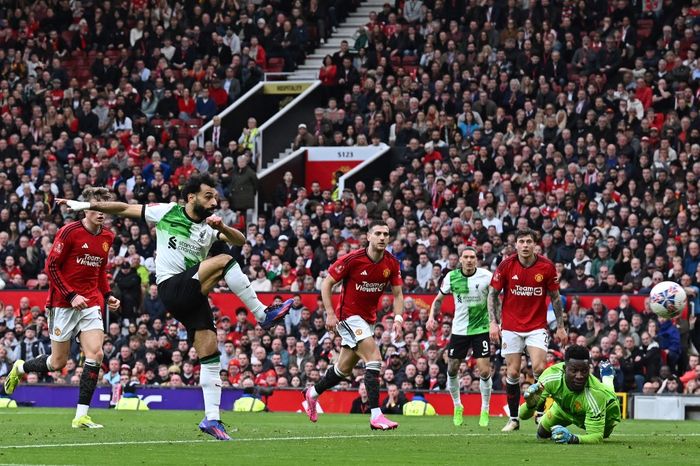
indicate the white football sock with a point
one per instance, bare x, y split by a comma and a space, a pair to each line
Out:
485, 389
81, 410
453, 387
239, 284
210, 381
375, 413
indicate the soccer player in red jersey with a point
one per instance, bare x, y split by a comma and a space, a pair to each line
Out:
78, 285
526, 280
365, 274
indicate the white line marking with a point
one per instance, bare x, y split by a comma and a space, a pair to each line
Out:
317, 437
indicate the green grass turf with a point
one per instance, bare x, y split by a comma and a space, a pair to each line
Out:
284, 438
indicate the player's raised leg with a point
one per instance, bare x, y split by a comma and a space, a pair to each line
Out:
209, 380
368, 351
210, 272
91, 343
341, 370
41, 365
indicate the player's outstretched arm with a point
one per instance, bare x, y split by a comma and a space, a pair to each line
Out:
120, 209
558, 308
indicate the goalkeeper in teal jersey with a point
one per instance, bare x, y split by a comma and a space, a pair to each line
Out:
579, 399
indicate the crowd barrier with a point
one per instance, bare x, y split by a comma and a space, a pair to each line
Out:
282, 400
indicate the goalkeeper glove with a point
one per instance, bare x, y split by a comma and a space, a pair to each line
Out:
606, 369
561, 434
532, 395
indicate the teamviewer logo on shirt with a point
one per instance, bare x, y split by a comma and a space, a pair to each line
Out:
518, 290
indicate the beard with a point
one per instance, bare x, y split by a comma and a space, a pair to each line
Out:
201, 211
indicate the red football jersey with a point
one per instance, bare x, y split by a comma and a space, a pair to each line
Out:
525, 292
77, 265
364, 282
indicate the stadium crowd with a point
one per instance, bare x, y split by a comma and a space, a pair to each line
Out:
577, 119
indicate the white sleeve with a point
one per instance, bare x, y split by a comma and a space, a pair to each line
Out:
445, 287
154, 212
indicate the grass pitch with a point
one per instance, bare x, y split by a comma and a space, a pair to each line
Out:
44, 436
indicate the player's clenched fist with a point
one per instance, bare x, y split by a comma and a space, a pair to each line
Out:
79, 302
113, 304
331, 322
215, 222
494, 332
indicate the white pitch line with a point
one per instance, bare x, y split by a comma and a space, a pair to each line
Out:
298, 438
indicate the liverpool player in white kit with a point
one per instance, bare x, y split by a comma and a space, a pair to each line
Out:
77, 287
185, 276
365, 274
469, 287
526, 280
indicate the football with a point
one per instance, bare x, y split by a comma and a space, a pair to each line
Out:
667, 299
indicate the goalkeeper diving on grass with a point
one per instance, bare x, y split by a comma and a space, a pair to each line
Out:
579, 399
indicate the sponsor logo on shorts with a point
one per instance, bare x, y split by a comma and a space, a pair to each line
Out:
504, 346
539, 277
518, 290
358, 332
57, 332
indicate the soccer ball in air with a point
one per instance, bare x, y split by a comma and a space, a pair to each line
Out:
667, 299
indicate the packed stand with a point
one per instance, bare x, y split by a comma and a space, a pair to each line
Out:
575, 119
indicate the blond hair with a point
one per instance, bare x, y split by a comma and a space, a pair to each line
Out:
96, 194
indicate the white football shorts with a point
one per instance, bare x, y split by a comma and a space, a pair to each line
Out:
515, 342
353, 330
66, 322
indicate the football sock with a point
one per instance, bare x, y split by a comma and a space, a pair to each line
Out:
210, 381
39, 364
372, 369
453, 388
513, 395
239, 284
330, 380
88, 382
485, 389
